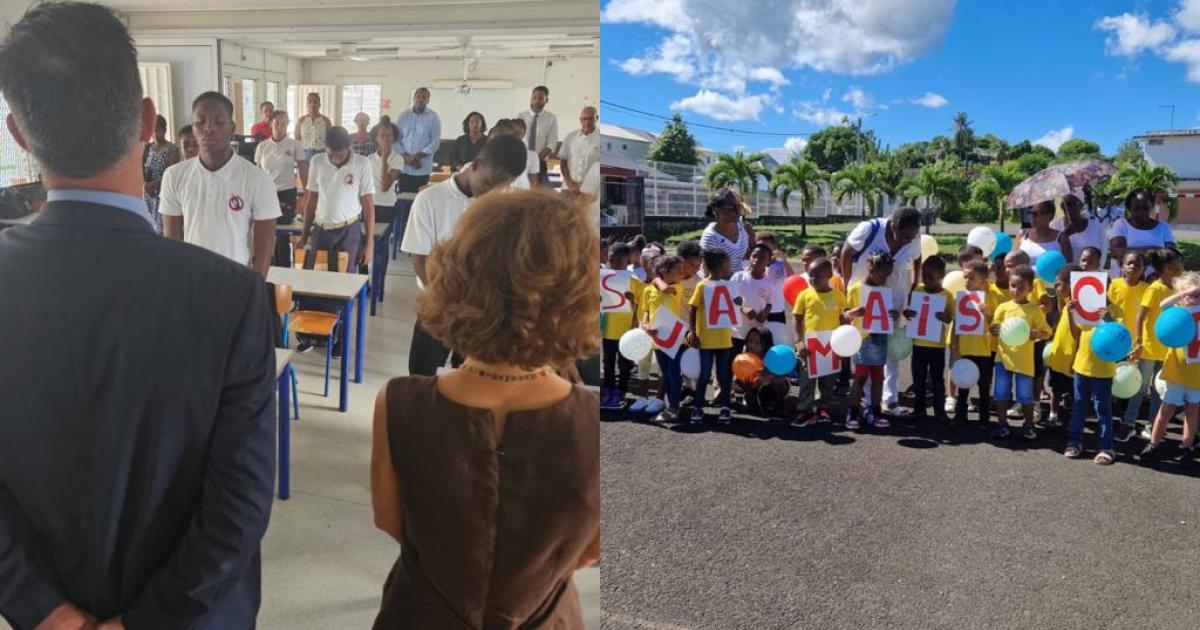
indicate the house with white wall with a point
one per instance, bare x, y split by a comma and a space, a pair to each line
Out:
1178, 149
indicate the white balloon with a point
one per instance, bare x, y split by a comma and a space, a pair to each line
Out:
689, 363
846, 340
964, 374
929, 246
780, 333
635, 345
954, 282
984, 238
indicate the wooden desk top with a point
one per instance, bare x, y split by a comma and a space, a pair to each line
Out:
324, 284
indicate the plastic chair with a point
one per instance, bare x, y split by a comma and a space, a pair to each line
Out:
319, 323
284, 306
299, 255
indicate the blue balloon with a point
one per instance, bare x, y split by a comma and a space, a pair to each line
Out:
780, 360
1175, 328
1003, 245
1049, 264
1111, 341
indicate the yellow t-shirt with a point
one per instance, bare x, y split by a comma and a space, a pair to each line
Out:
618, 323
1062, 347
709, 339
1019, 360
1176, 370
1151, 298
947, 329
689, 287
820, 311
1129, 298
981, 345
1086, 361
653, 299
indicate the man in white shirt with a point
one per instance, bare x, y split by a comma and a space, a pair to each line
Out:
542, 127
218, 202
436, 211
580, 150
340, 203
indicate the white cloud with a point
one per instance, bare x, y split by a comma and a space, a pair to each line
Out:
1055, 138
1186, 52
795, 144
1131, 34
723, 107
769, 75
1188, 15
673, 56
858, 98
664, 13
826, 95
929, 99
818, 115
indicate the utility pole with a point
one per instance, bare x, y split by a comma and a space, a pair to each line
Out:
1172, 108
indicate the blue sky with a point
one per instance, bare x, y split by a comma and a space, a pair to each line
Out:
1022, 69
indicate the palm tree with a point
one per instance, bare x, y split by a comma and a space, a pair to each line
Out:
798, 176
856, 179
937, 185
964, 137
889, 175
737, 171
999, 179
1141, 174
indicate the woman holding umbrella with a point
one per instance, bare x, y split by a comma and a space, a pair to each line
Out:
1079, 231
1041, 238
1137, 231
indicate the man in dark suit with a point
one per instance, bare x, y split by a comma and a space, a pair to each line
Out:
136, 383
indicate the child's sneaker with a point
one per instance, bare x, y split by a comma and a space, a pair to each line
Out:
639, 404
655, 406
725, 416
1015, 413
804, 420
852, 420
1028, 432
951, 404
697, 415
1000, 431
1052, 420
1122, 432
1188, 456
880, 421
665, 417
1152, 453
1147, 433
606, 398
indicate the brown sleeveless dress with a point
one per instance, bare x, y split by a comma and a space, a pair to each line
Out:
491, 532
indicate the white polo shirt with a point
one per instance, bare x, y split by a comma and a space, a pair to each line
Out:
279, 159
395, 163
219, 208
339, 190
532, 167
580, 152
435, 212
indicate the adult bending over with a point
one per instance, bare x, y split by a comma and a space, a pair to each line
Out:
488, 477
138, 431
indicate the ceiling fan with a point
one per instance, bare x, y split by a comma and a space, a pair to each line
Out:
353, 52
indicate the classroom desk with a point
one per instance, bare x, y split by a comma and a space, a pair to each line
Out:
379, 263
283, 371
344, 288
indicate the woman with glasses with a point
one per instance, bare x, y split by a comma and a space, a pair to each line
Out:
1040, 237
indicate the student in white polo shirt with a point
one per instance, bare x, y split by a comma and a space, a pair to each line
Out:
340, 203
436, 211
217, 200
281, 156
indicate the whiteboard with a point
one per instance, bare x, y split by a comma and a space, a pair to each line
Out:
452, 107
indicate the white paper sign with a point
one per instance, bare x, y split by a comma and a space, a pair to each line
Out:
969, 319
719, 310
614, 284
925, 325
822, 360
877, 306
668, 332
1192, 350
1089, 292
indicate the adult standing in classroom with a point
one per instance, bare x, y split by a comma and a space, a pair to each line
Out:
340, 203
311, 127
157, 156
435, 212
216, 201
580, 150
386, 165
138, 431
420, 137
467, 146
541, 128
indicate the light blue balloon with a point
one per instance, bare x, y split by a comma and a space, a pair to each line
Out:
1111, 342
1049, 264
780, 360
1175, 327
1003, 245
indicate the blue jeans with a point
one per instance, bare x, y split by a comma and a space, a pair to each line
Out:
1149, 369
1087, 390
724, 360
672, 378
1004, 386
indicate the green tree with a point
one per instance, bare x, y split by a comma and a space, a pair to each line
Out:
1129, 152
940, 186
889, 174
832, 148
739, 171
964, 137
940, 147
801, 177
991, 148
1077, 149
912, 154
857, 179
994, 184
1033, 162
675, 145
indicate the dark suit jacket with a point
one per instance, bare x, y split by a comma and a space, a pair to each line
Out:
136, 424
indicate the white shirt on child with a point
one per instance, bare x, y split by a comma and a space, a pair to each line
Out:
756, 293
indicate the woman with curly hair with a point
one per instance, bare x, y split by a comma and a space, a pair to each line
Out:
488, 476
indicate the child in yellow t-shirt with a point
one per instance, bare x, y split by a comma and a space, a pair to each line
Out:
818, 308
1182, 378
978, 349
1127, 292
716, 345
872, 355
668, 269
1014, 368
1059, 365
612, 390
929, 357
1093, 388
1040, 296
1146, 347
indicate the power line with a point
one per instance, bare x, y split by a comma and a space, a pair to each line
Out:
702, 125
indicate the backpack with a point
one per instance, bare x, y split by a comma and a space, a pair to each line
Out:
876, 224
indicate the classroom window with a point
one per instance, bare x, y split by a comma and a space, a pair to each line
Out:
360, 98
16, 166
226, 86
293, 109
249, 106
273, 94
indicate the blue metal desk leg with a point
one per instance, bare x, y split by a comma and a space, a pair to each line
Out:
344, 377
360, 334
285, 435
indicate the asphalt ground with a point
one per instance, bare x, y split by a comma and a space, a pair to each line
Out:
758, 525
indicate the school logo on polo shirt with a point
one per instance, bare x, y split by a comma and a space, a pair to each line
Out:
350, 180
236, 203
